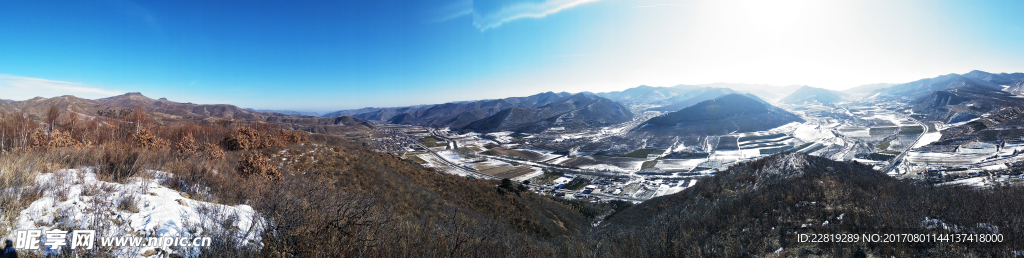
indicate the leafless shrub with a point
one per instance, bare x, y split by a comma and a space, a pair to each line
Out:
51, 117
128, 202
91, 189
343, 224
119, 162
15, 130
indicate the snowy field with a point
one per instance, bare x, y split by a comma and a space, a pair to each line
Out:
434, 162
735, 155
678, 164
928, 138
974, 181
544, 155
944, 158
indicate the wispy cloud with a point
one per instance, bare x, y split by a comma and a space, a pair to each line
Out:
21, 88
492, 14
453, 10
654, 5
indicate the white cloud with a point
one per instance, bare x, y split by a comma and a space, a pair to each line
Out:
22, 88
654, 5
492, 14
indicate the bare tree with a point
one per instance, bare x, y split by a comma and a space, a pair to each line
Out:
52, 115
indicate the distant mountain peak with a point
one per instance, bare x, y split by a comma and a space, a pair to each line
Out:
807, 94
730, 113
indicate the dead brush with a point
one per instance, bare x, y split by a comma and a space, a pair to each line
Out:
106, 187
147, 140
293, 136
60, 184
246, 138
18, 187
255, 164
187, 146
13, 201
92, 189
212, 151
128, 202
119, 162
188, 175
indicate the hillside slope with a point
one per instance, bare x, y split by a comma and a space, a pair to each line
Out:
453, 114
807, 94
727, 114
693, 97
759, 208
1017, 88
166, 111
924, 87
578, 111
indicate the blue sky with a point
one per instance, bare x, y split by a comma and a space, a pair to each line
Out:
330, 55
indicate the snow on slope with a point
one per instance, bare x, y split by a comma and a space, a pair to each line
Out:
817, 133
75, 199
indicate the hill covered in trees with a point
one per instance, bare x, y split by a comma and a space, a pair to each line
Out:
577, 111
759, 208
727, 114
807, 94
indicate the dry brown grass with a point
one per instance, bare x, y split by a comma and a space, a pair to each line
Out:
17, 187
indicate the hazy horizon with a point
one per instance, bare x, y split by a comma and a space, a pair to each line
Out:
341, 55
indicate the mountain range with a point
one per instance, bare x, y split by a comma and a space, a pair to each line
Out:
455, 114
163, 110
974, 81
575, 112
867, 88
697, 96
528, 114
675, 96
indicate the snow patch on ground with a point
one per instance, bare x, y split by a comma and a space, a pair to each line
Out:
974, 181
613, 168
678, 164
928, 138
75, 199
536, 172
434, 162
817, 133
